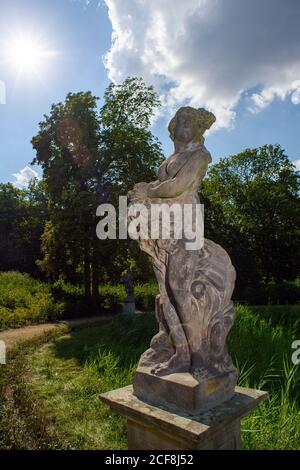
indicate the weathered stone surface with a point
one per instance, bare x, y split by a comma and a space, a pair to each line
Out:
151, 427
129, 302
129, 306
181, 391
194, 309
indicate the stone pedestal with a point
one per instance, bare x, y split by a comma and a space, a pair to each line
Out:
129, 305
181, 391
158, 428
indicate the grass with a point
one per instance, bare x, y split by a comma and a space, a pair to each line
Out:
55, 389
285, 315
22, 423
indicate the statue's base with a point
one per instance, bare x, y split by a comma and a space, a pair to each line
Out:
153, 428
129, 306
182, 391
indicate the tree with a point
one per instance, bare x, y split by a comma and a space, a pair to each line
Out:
89, 157
23, 213
252, 208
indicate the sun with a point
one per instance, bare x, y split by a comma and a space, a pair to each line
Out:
27, 54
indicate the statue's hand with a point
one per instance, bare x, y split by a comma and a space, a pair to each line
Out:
139, 192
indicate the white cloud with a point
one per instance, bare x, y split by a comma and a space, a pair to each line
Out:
268, 94
208, 52
23, 177
297, 164
2, 92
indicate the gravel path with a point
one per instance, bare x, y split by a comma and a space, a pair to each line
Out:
13, 336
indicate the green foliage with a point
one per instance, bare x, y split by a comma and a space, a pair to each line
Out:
145, 295
113, 296
131, 151
22, 216
254, 338
24, 301
284, 315
129, 104
71, 297
252, 209
88, 157
285, 292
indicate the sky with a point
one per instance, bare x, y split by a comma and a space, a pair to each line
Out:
237, 58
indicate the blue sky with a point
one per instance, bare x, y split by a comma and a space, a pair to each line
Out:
253, 106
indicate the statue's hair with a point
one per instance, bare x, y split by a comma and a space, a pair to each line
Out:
203, 118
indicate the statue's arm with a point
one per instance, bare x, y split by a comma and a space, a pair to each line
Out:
162, 174
193, 170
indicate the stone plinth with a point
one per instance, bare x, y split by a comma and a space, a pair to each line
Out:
153, 428
182, 391
129, 305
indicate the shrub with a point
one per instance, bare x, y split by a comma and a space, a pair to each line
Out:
112, 297
72, 298
145, 295
24, 300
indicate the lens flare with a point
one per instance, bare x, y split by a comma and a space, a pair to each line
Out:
27, 54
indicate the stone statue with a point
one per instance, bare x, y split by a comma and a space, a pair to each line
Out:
129, 302
194, 309
128, 283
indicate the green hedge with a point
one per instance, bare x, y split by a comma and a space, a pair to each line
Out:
113, 296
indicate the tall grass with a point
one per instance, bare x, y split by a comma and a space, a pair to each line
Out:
59, 384
275, 424
68, 375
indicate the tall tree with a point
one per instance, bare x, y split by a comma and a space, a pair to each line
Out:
90, 156
252, 208
23, 213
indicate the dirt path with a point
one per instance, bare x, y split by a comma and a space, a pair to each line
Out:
13, 336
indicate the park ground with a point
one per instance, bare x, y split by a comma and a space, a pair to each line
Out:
50, 386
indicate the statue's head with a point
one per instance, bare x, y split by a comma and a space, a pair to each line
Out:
189, 124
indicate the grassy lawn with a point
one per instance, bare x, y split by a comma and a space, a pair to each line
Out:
49, 393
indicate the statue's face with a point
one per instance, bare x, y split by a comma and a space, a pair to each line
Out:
186, 127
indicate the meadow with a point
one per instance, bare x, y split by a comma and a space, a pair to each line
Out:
50, 389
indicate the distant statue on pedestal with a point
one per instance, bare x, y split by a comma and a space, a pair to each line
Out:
129, 303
